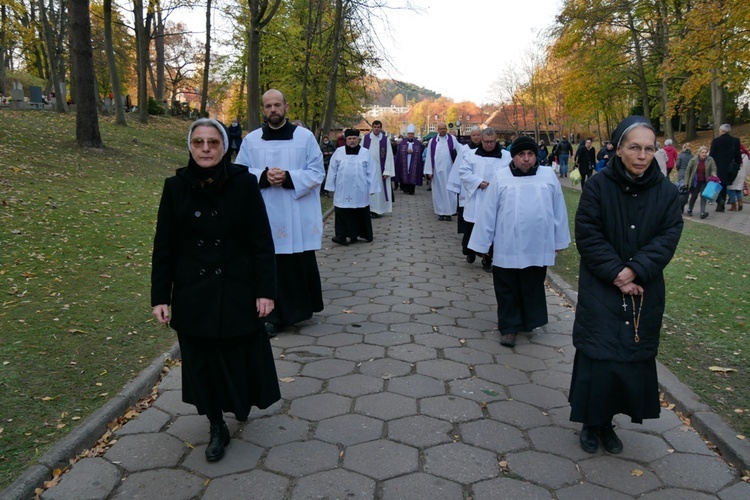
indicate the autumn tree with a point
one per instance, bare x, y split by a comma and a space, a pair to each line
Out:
87, 118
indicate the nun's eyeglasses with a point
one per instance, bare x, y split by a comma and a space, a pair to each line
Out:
198, 142
635, 149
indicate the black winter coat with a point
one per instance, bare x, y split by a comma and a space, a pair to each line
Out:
213, 253
586, 159
623, 222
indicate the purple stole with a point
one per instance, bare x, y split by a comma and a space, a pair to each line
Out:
433, 145
383, 144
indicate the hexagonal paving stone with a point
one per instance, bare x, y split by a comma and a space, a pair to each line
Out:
194, 429
416, 386
617, 474
340, 339
308, 353
328, 368
592, 491
420, 486
349, 429
387, 338
467, 355
360, 352
334, 484
510, 488
694, 472
437, 340
502, 375
296, 387
541, 397
461, 463
77, 482
495, 436
420, 431
302, 458
518, 414
477, 389
543, 468
642, 447
287, 368
451, 408
385, 368
160, 483
411, 353
320, 406
443, 369
385, 405
558, 441
146, 451
685, 440
356, 385
381, 459
240, 456
171, 402
253, 485
275, 430
151, 420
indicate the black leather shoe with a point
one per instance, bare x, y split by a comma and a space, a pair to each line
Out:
704, 215
610, 440
341, 241
219, 440
589, 438
470, 258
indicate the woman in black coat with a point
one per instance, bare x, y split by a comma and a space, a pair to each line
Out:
627, 228
214, 263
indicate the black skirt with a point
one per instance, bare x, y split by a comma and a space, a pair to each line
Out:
601, 389
233, 373
353, 223
299, 293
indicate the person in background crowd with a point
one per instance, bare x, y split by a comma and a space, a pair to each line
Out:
682, 160
288, 164
627, 228
543, 153
735, 189
213, 263
455, 186
442, 151
699, 169
326, 148
382, 156
235, 137
352, 177
661, 158
564, 150
724, 150
672, 154
585, 160
409, 166
524, 217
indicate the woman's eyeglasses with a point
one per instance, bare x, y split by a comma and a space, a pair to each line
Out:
635, 149
198, 143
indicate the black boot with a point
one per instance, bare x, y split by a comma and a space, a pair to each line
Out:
219, 440
609, 439
589, 438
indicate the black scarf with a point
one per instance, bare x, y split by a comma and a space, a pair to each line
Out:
353, 151
283, 133
517, 172
495, 153
210, 179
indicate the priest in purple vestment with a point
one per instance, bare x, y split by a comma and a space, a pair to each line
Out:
409, 165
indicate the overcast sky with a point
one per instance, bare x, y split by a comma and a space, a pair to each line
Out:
457, 48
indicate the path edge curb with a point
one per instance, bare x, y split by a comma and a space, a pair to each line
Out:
89, 431
706, 422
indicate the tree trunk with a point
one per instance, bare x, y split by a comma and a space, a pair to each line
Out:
58, 83
143, 38
112, 63
260, 16
717, 102
663, 52
690, 128
87, 118
330, 100
160, 63
641, 72
207, 60
3, 28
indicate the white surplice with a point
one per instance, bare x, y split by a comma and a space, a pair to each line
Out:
443, 201
353, 178
382, 202
473, 170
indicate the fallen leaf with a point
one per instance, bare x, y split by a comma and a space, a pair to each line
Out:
740, 437
721, 369
48, 398
286, 380
636, 472
503, 465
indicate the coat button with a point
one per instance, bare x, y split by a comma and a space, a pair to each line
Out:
200, 243
217, 242
218, 271
627, 188
197, 213
632, 226
627, 322
214, 213
201, 272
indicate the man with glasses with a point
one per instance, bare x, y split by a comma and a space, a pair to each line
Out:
288, 163
477, 172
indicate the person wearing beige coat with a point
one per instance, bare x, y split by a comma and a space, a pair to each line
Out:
699, 169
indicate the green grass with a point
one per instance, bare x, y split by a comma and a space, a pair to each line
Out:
706, 317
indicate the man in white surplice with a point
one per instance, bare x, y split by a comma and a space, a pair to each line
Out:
382, 156
441, 153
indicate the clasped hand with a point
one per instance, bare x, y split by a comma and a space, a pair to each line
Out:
624, 281
276, 176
